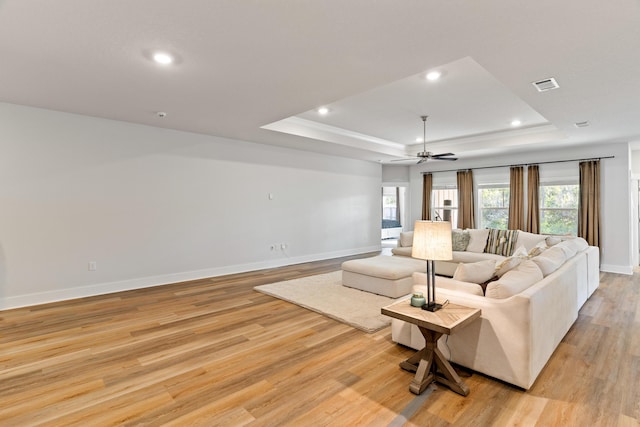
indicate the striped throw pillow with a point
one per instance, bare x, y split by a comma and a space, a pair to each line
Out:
501, 242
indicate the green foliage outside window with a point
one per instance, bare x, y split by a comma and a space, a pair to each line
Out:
559, 209
494, 207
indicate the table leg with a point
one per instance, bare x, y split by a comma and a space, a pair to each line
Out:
425, 364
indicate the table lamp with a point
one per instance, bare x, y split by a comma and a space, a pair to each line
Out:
432, 242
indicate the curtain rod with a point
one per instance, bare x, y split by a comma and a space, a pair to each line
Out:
522, 164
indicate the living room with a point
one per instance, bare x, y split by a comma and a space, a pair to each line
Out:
97, 201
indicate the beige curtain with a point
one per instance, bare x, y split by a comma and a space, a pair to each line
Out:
533, 200
427, 186
589, 203
466, 217
516, 198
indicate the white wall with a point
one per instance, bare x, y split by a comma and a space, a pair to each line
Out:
153, 206
616, 247
398, 176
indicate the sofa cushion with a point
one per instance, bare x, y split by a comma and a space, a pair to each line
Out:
515, 281
568, 247
420, 283
467, 256
459, 240
501, 242
550, 260
475, 272
529, 240
402, 251
477, 240
385, 267
406, 238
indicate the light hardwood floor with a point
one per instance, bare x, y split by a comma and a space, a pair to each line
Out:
214, 352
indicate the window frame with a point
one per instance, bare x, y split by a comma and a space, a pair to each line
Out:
541, 208
480, 208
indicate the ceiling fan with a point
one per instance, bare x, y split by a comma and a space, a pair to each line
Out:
425, 155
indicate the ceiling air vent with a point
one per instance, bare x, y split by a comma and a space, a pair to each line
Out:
546, 84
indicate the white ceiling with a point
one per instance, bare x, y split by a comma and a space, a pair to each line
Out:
257, 70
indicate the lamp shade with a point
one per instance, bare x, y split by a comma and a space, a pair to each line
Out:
432, 240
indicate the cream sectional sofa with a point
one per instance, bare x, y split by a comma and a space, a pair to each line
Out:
525, 313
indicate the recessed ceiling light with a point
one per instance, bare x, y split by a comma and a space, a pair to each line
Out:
515, 123
162, 58
434, 75
323, 110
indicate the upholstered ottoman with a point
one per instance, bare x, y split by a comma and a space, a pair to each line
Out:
382, 275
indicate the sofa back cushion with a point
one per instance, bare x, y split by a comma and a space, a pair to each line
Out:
515, 281
501, 242
459, 240
477, 239
529, 240
420, 283
406, 239
550, 260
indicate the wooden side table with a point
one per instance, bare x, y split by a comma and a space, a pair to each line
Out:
429, 364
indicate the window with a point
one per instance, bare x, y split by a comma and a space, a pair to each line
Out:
444, 205
493, 205
559, 209
390, 203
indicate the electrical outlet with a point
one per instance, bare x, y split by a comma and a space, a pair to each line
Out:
93, 266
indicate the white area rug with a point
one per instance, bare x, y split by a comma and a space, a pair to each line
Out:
324, 293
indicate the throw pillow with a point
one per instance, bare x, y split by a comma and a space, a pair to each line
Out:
459, 240
550, 260
508, 264
538, 249
477, 240
552, 240
475, 272
512, 262
501, 242
515, 281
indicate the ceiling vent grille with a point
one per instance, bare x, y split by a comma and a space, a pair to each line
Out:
546, 84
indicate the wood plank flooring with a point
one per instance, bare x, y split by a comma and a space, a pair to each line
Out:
214, 352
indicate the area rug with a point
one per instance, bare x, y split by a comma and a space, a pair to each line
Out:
324, 294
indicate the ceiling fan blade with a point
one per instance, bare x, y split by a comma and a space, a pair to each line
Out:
443, 154
422, 160
451, 159
403, 160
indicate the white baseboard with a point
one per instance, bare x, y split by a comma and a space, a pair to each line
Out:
620, 269
165, 279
